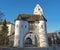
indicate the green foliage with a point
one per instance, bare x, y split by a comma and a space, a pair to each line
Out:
3, 34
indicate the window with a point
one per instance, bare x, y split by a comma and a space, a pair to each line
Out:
41, 26
22, 26
31, 25
17, 25
38, 9
25, 26
35, 12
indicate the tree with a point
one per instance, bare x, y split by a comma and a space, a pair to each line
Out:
3, 33
1, 16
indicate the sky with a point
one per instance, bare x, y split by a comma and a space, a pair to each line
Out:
51, 9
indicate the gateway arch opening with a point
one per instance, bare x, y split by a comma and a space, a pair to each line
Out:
28, 42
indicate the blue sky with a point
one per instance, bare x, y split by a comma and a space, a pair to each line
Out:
11, 9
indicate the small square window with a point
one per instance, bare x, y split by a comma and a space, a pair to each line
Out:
41, 26
25, 26
17, 25
38, 9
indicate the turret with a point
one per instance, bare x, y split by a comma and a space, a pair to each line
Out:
17, 34
21, 28
42, 35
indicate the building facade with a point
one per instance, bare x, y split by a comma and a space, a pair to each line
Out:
30, 29
11, 27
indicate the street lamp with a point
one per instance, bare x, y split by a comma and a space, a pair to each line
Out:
52, 41
55, 39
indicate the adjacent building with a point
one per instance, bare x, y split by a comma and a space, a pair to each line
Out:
11, 27
11, 31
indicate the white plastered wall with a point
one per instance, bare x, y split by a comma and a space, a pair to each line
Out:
21, 28
43, 34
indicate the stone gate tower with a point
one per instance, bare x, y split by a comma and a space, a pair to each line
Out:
30, 29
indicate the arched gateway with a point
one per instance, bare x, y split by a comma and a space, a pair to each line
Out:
28, 42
